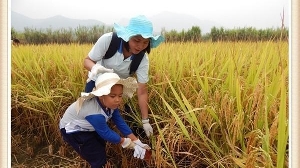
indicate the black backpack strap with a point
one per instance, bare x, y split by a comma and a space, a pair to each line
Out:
113, 47
136, 62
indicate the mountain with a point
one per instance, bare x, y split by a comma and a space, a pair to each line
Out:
19, 22
165, 20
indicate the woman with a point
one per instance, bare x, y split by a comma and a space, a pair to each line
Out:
137, 38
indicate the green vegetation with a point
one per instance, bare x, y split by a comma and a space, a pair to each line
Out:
221, 104
88, 35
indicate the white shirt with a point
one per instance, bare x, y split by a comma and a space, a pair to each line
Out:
117, 62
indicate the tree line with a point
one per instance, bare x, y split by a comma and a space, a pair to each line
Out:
84, 34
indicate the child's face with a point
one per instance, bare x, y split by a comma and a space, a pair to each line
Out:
114, 99
138, 44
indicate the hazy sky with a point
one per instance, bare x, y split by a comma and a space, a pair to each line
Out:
230, 13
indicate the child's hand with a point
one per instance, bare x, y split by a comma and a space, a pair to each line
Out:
139, 143
139, 152
127, 143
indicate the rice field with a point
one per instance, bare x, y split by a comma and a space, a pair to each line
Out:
222, 104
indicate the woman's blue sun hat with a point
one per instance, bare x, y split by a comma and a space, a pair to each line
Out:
139, 25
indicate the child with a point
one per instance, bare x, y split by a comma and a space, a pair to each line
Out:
137, 39
84, 124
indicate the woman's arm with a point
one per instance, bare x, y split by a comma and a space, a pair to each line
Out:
98, 51
88, 63
142, 93
143, 103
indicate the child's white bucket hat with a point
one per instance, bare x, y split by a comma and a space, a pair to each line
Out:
103, 86
105, 81
139, 25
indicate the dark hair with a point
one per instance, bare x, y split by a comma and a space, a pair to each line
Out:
146, 50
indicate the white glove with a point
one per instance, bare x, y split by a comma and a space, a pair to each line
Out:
128, 143
96, 69
139, 143
139, 152
147, 127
